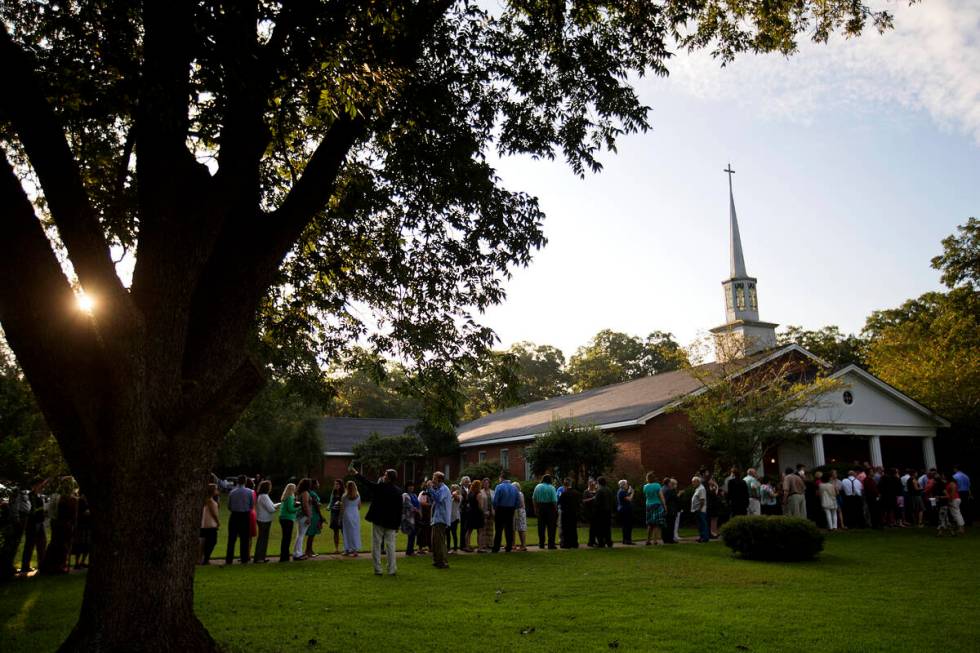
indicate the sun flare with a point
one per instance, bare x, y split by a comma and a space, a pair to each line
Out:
85, 302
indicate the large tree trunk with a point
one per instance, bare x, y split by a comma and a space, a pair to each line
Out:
139, 594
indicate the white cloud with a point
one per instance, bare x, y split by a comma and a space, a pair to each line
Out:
929, 62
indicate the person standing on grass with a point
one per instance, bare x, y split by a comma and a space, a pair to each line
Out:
304, 508
505, 500
454, 518
487, 515
954, 501
624, 508
752, 484
570, 507
442, 508
602, 515
81, 543
385, 514
253, 525
918, 508
336, 523
794, 503
588, 509
265, 510
287, 519
966, 496
699, 506
35, 537
545, 501
737, 491
520, 517
828, 501
674, 508
667, 525
351, 511
209, 524
316, 518
410, 514
653, 495
464, 510
474, 516
853, 491
241, 500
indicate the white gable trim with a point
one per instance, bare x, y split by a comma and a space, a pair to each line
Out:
887, 389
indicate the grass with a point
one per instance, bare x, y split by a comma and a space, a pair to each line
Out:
868, 591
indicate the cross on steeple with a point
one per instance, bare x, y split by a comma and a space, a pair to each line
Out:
730, 173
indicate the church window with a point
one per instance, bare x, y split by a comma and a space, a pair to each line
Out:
753, 300
740, 297
848, 397
729, 300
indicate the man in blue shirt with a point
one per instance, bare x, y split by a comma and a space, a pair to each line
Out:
966, 497
506, 498
442, 507
240, 504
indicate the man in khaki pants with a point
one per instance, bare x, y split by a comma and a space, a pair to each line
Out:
794, 504
442, 506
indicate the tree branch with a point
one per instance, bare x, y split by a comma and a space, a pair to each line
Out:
42, 136
55, 344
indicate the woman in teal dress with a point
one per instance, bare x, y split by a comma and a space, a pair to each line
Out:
316, 519
653, 494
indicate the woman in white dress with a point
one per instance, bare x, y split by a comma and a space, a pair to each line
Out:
351, 507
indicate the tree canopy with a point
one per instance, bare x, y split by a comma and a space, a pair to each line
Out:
829, 343
574, 450
286, 178
613, 357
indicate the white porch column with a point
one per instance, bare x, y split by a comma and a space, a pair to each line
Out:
928, 453
875, 442
818, 456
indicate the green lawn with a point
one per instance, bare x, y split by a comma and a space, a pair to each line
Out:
869, 591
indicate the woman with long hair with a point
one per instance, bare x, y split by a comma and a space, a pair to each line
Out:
423, 522
454, 517
520, 517
336, 523
303, 513
265, 509
487, 506
209, 523
474, 518
287, 519
351, 505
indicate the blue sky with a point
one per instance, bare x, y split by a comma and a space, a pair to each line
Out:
853, 160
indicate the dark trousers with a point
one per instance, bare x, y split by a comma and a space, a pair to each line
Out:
503, 522
454, 535
262, 542
602, 523
209, 538
667, 528
439, 548
238, 530
34, 537
547, 521
626, 521
286, 546
853, 512
704, 533
410, 549
569, 530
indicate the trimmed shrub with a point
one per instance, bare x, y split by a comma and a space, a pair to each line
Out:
773, 538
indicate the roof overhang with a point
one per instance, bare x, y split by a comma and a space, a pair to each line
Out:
892, 391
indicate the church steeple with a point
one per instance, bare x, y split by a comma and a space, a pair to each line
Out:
738, 259
743, 333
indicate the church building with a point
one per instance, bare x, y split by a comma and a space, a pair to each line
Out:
865, 420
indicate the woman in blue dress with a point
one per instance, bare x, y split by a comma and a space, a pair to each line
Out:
351, 507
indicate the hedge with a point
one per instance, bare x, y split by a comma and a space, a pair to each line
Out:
773, 538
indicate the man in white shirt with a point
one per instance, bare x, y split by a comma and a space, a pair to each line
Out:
853, 491
699, 506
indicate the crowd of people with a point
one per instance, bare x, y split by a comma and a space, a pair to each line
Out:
479, 516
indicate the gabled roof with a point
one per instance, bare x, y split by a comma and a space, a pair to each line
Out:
338, 435
892, 391
622, 405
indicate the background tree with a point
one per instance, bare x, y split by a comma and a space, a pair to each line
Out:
572, 450
829, 343
369, 385
380, 453
929, 347
287, 177
739, 415
613, 357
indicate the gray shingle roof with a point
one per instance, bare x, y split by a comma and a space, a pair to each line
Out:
622, 402
342, 433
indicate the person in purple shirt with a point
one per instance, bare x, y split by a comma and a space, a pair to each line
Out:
240, 504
